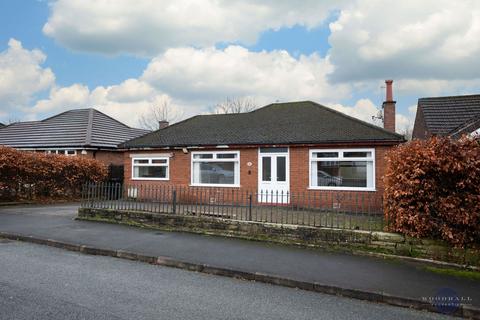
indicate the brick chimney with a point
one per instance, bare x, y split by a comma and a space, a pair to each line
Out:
162, 124
389, 108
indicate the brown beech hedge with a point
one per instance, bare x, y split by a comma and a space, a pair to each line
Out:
31, 175
432, 189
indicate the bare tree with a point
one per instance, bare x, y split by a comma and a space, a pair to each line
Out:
235, 105
407, 132
10, 120
13, 120
157, 113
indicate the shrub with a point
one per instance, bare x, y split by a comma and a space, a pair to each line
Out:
432, 189
26, 174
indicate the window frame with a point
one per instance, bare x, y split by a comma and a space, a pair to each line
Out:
215, 159
339, 159
65, 152
150, 164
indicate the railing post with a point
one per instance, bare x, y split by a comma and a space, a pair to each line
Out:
83, 195
250, 207
385, 218
174, 201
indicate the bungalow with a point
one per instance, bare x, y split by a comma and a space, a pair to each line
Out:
282, 147
79, 132
451, 116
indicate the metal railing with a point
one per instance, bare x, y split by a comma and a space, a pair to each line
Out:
331, 209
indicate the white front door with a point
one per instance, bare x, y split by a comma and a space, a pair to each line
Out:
273, 175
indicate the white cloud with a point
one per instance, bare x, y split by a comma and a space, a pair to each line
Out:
126, 101
148, 27
431, 39
193, 80
131, 90
363, 109
366, 110
63, 98
22, 75
436, 87
412, 109
403, 124
210, 75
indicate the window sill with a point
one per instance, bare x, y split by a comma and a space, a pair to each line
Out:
150, 179
342, 189
215, 185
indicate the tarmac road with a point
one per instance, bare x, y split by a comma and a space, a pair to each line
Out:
39, 282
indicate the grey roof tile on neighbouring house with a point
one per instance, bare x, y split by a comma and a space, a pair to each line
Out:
73, 128
278, 123
442, 115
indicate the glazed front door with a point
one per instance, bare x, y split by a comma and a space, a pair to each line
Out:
273, 179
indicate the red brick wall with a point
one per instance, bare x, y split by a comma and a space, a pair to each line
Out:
389, 115
354, 201
299, 180
299, 171
107, 157
179, 171
419, 128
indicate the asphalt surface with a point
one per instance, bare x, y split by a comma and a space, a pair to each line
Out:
39, 282
335, 269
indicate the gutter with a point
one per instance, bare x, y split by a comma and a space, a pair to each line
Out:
253, 145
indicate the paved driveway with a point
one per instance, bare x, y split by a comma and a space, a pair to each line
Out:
66, 210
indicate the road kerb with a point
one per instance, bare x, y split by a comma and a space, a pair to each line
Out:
463, 311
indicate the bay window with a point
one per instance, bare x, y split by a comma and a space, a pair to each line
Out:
155, 168
342, 169
219, 168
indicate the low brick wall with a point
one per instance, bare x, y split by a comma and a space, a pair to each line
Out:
349, 240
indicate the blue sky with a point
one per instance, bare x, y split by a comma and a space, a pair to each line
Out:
24, 20
123, 59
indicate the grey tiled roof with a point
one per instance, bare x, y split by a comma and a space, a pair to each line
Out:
444, 114
278, 123
73, 128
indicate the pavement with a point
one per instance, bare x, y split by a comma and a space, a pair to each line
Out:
44, 283
367, 274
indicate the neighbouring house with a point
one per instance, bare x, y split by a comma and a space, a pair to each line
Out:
282, 147
2, 125
79, 132
451, 116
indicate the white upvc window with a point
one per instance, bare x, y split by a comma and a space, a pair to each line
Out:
216, 168
66, 152
153, 168
342, 169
